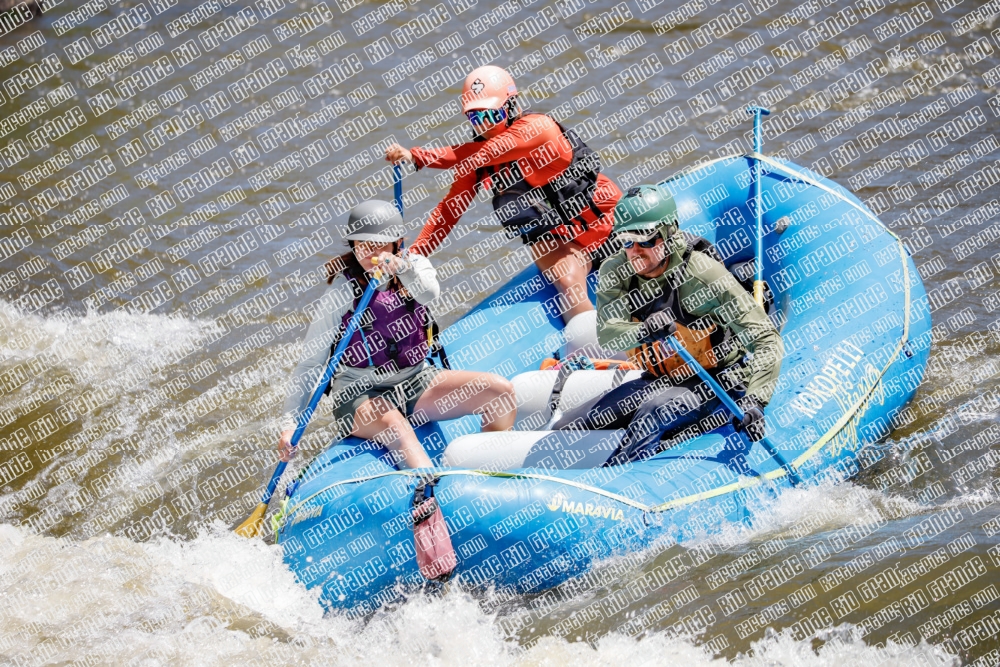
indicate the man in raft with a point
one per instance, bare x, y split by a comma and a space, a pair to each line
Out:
385, 376
546, 185
664, 282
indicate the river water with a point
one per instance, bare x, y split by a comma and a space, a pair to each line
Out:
145, 338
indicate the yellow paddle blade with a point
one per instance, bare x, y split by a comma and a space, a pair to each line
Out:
251, 527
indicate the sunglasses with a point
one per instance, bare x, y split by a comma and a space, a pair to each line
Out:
482, 117
646, 245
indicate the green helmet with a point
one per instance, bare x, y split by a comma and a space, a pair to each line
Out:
646, 209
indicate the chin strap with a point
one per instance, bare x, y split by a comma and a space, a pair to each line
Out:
663, 261
666, 259
514, 110
666, 252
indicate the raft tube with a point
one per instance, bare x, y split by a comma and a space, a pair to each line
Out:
530, 509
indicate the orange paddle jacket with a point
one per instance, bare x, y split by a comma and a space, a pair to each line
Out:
542, 152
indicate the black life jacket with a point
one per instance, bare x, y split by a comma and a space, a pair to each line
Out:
531, 211
708, 343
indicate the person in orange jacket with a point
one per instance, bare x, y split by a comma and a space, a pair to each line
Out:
546, 185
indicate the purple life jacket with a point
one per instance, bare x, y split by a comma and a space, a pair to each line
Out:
393, 329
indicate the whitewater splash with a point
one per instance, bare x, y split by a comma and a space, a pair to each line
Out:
811, 510
221, 600
111, 405
113, 339
212, 598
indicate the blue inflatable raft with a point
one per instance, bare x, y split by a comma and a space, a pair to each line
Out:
529, 509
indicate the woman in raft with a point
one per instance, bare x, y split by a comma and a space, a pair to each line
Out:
546, 185
385, 376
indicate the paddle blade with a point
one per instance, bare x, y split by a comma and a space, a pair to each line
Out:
251, 527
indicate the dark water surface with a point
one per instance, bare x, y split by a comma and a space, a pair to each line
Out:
171, 179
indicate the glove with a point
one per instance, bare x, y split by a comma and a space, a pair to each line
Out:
657, 326
753, 418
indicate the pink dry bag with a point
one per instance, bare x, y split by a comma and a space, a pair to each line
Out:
435, 555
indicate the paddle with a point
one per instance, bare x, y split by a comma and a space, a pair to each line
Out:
730, 404
251, 527
758, 283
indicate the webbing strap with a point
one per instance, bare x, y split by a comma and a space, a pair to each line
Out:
564, 372
618, 377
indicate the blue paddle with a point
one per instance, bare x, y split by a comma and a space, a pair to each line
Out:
251, 527
758, 144
730, 404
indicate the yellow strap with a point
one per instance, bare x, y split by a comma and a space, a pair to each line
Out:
758, 292
477, 473
744, 483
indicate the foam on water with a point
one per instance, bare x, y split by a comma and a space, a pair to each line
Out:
118, 355
812, 509
836, 504
220, 599
120, 338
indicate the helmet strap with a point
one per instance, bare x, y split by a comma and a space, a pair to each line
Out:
513, 109
349, 265
666, 254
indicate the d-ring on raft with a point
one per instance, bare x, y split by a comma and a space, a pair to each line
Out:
529, 509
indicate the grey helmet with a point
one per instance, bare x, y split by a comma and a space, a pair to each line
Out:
374, 220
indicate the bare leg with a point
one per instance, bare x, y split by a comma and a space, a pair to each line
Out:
455, 394
376, 419
565, 265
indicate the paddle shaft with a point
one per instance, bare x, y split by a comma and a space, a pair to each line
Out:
251, 527
730, 404
758, 283
331, 368
397, 187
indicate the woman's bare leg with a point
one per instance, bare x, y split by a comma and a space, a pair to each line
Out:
455, 394
565, 264
376, 419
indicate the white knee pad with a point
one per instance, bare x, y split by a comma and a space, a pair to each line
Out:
581, 336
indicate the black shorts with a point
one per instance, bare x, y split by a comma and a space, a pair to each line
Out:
530, 222
402, 389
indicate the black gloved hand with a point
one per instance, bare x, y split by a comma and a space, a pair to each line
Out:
753, 418
657, 326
